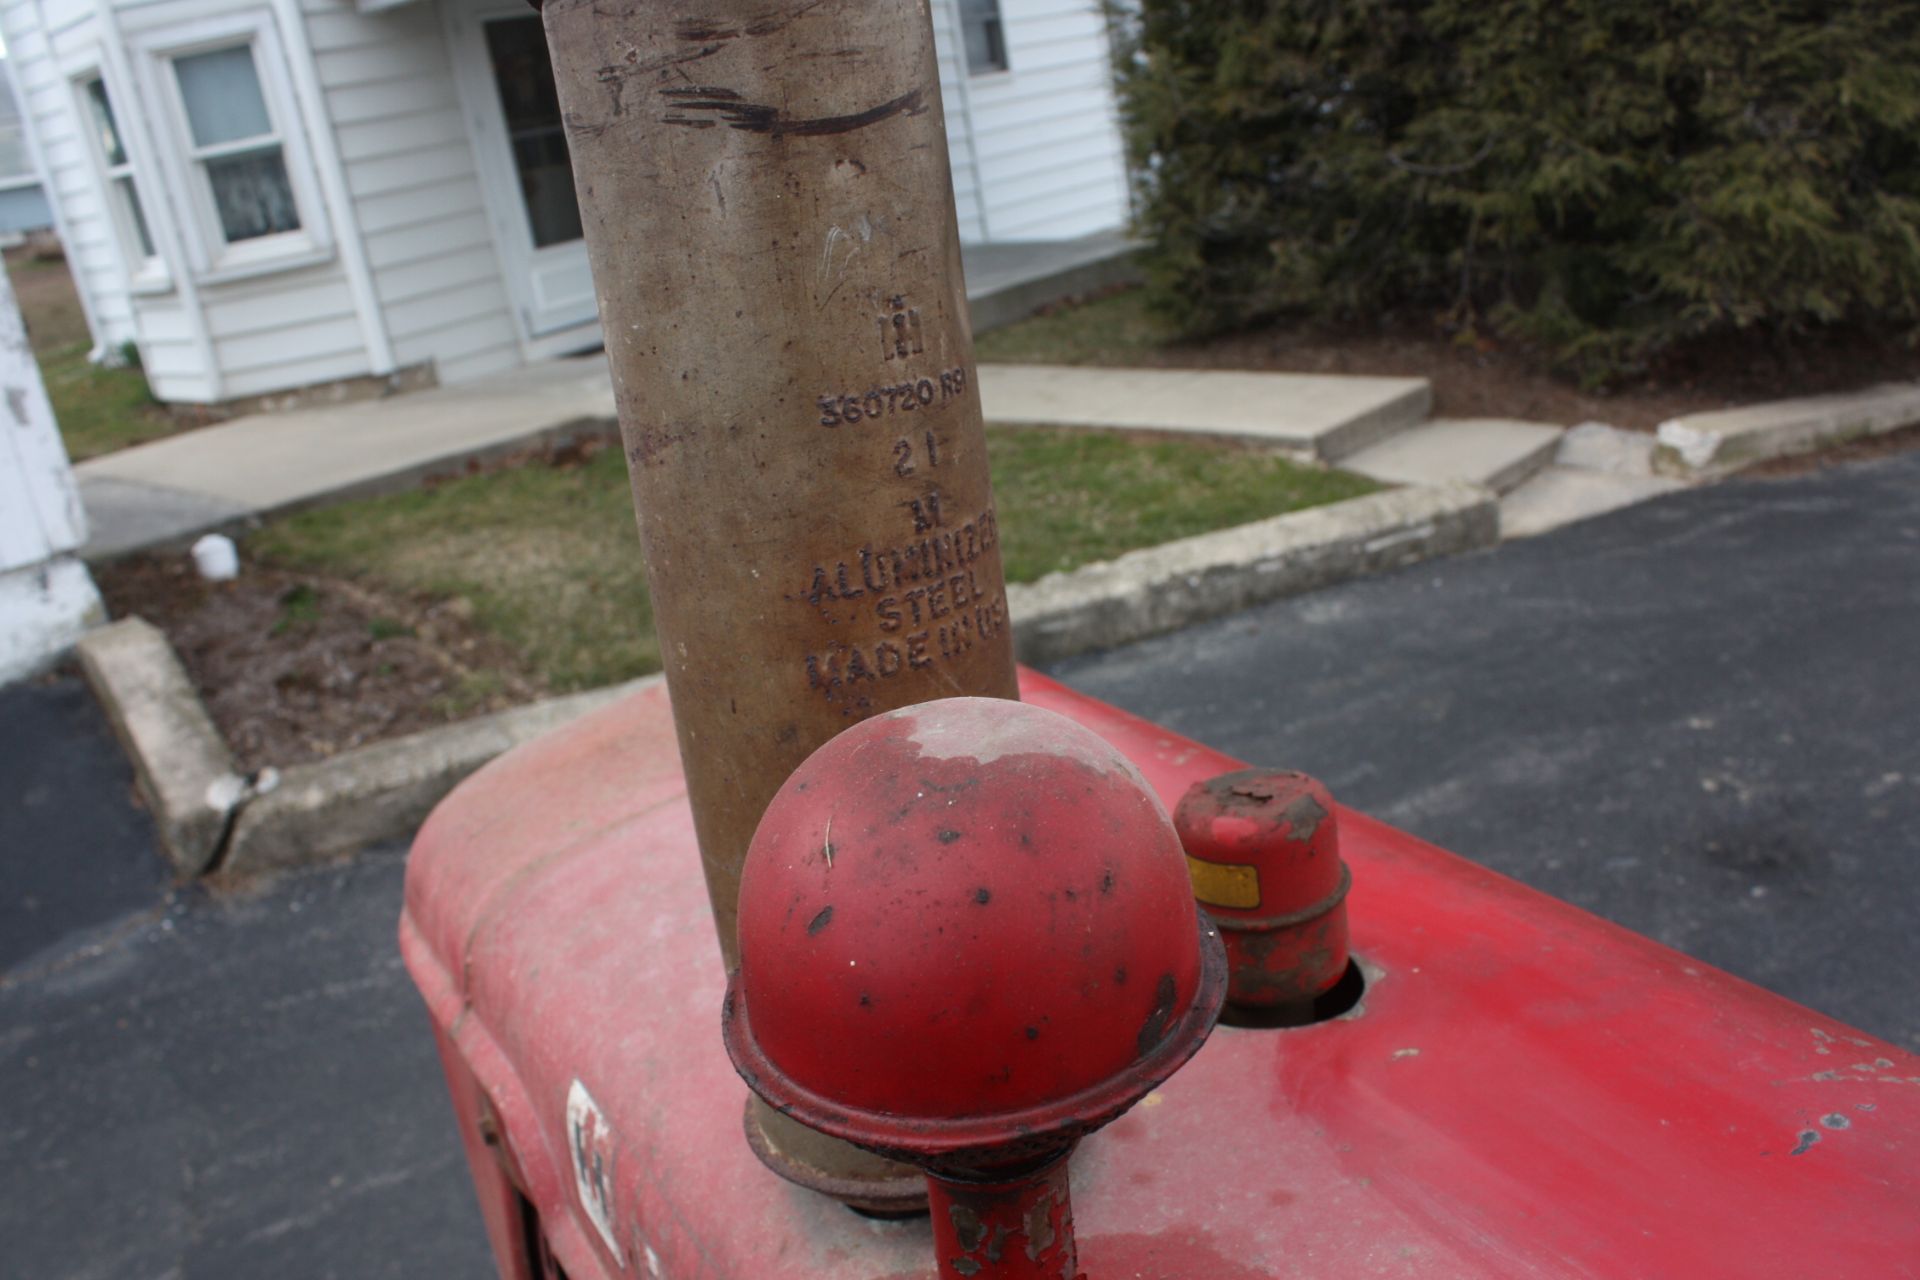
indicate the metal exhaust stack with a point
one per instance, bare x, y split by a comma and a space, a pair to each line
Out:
768, 211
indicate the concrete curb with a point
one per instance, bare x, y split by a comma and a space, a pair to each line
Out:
1164, 588
385, 791
1708, 445
180, 762
211, 819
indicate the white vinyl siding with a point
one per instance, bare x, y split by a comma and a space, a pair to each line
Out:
170, 352
953, 72
416, 195
1045, 141
271, 333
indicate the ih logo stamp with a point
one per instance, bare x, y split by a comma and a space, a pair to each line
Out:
900, 330
590, 1143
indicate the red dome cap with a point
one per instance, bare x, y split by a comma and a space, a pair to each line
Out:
966, 911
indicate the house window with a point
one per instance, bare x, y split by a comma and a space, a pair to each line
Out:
985, 37
123, 198
232, 147
235, 144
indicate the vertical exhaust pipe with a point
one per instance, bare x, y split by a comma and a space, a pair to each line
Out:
768, 211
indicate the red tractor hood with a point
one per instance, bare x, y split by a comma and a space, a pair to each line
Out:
1524, 1090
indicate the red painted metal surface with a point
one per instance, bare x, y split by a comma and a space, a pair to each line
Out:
1525, 1090
1263, 848
962, 923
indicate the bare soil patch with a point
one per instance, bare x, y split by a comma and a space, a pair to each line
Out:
295, 667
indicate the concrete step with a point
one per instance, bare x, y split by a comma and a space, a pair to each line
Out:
1561, 495
1321, 416
1495, 452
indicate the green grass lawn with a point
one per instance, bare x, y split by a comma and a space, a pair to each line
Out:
1068, 498
548, 560
1113, 330
100, 410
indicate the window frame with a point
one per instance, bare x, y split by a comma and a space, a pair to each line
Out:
999, 21
214, 258
147, 272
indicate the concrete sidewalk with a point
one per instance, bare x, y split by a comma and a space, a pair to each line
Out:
174, 489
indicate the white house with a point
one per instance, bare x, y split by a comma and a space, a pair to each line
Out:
264, 195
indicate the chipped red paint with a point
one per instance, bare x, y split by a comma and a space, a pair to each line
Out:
1525, 1090
1008, 1229
1263, 849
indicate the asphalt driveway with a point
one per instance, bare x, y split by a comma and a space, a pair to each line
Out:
1699, 717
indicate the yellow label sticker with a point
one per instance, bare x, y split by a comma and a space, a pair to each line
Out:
1224, 884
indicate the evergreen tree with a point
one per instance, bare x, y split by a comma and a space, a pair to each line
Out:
1603, 177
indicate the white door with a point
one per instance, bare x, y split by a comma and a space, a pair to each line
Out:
506, 83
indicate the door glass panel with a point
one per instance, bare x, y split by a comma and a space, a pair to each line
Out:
524, 76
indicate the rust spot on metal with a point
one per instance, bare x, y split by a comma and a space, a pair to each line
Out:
820, 921
1039, 1223
967, 1227
1154, 1029
1304, 816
